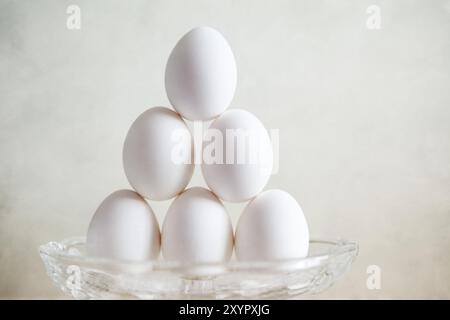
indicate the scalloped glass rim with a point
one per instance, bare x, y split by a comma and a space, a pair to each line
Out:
159, 279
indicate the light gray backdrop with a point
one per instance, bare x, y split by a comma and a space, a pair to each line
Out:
364, 119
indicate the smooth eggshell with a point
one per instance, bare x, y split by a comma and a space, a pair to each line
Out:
201, 74
272, 227
124, 227
197, 229
148, 152
242, 181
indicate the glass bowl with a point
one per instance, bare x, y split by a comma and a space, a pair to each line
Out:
84, 277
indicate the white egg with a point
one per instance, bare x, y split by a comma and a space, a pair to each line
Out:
197, 229
124, 227
237, 156
201, 74
272, 227
158, 154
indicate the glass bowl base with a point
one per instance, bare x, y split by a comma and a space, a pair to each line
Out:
84, 277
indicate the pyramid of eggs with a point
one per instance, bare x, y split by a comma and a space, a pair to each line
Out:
158, 160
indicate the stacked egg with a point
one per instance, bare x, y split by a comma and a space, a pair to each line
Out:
158, 160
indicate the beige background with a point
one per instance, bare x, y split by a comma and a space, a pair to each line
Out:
364, 118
